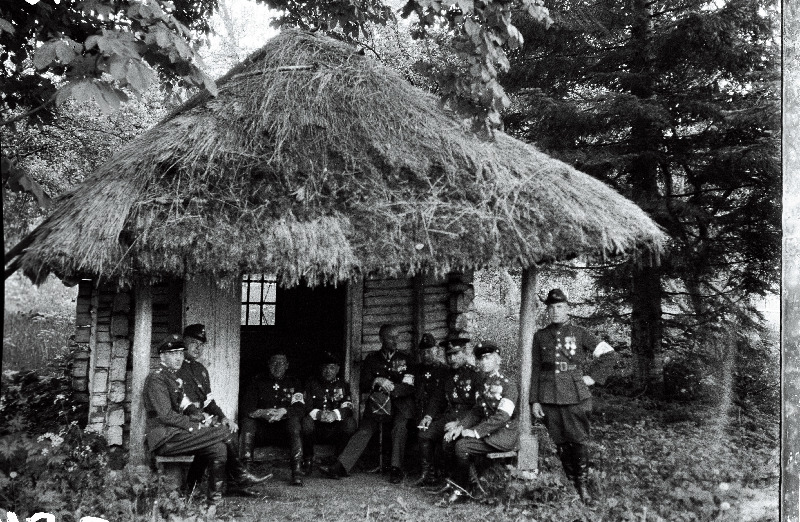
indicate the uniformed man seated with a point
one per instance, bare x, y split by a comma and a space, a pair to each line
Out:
491, 425
176, 427
197, 386
329, 414
387, 376
456, 400
429, 383
272, 410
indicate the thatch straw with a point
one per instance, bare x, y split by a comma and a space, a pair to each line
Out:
322, 172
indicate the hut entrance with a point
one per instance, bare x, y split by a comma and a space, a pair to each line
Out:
301, 321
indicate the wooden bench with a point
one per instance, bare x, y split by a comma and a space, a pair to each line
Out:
173, 469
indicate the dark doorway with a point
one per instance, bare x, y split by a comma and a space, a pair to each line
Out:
307, 322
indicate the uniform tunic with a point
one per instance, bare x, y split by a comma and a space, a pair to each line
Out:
267, 392
197, 385
494, 416
457, 398
559, 353
327, 396
429, 383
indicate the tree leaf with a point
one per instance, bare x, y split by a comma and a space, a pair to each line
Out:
45, 55
6, 26
64, 52
139, 76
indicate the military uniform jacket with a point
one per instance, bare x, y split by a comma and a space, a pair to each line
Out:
197, 386
395, 368
494, 415
266, 392
460, 387
331, 396
164, 403
429, 384
559, 351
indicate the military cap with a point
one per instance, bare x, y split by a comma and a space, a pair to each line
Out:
327, 358
484, 347
196, 331
427, 341
556, 295
171, 343
454, 345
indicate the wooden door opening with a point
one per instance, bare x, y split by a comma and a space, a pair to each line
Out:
301, 321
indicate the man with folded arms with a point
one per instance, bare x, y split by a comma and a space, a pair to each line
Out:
560, 391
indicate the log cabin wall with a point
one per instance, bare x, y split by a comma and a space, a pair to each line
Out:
446, 311
103, 336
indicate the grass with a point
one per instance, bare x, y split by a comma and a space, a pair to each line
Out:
32, 340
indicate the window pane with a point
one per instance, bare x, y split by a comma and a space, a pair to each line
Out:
244, 291
254, 315
269, 292
269, 315
244, 315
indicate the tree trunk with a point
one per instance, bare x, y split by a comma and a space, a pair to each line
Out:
646, 328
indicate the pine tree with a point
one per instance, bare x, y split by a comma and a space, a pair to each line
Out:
675, 103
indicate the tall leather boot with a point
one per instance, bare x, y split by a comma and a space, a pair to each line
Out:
296, 460
581, 463
216, 482
195, 473
427, 478
248, 445
475, 483
565, 454
238, 472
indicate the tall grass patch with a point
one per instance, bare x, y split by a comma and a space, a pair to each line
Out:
32, 340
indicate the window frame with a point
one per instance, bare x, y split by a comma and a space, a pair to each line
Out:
260, 282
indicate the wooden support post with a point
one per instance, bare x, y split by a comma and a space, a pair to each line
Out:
142, 342
528, 459
418, 306
355, 315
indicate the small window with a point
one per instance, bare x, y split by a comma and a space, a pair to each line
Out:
258, 300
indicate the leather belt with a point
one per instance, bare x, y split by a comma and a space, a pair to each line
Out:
561, 366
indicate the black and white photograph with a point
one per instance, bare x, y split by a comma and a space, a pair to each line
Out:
400, 260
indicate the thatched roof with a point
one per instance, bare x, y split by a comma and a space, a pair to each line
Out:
330, 169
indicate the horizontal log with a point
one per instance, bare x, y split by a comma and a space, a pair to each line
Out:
387, 300
378, 320
388, 292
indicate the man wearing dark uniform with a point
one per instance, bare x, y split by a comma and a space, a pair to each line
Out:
460, 386
429, 382
196, 381
559, 390
329, 411
197, 386
272, 409
491, 425
386, 371
176, 427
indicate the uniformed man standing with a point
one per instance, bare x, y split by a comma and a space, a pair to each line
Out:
273, 407
491, 425
175, 426
329, 411
386, 371
197, 386
559, 390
